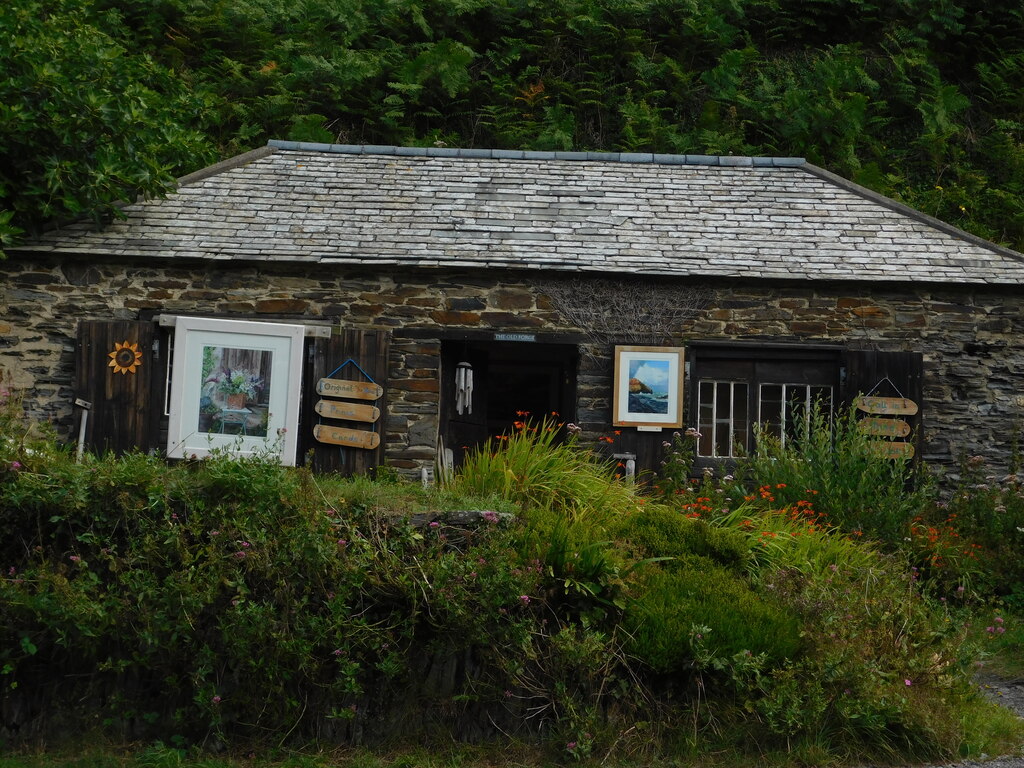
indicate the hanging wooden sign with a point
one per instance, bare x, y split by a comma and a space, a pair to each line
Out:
350, 438
359, 390
890, 405
884, 427
891, 450
336, 409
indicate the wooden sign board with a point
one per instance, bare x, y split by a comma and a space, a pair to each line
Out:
358, 390
350, 438
884, 427
891, 450
335, 409
901, 406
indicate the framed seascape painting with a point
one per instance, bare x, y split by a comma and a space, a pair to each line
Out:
235, 387
648, 387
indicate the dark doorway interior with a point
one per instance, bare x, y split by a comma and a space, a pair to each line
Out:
510, 379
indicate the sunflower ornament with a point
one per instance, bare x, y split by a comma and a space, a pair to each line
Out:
125, 358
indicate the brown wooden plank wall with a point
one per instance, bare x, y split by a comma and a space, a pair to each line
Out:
887, 374
370, 350
126, 407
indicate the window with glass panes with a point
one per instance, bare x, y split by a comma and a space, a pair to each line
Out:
736, 388
784, 409
722, 418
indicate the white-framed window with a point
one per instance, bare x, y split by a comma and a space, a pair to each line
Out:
235, 387
784, 410
737, 387
722, 419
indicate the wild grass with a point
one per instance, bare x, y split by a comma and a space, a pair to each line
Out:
793, 537
274, 606
535, 471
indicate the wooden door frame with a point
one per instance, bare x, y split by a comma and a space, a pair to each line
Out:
482, 350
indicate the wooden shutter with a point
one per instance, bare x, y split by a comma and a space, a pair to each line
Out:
887, 374
125, 407
368, 350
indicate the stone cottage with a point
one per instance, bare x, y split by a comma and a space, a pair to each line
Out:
398, 305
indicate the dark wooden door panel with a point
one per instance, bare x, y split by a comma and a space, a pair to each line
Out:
126, 400
369, 351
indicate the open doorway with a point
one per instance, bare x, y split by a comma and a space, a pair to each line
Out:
510, 379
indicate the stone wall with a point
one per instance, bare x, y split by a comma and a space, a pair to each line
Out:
972, 339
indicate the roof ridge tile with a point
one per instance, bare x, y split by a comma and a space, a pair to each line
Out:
531, 154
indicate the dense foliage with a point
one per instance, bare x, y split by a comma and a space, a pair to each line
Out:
240, 602
916, 99
84, 124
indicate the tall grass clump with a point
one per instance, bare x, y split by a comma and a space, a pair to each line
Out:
536, 470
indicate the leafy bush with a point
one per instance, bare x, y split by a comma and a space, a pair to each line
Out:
975, 538
858, 490
672, 600
236, 599
238, 586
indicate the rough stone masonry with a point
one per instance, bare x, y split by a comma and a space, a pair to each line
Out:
971, 336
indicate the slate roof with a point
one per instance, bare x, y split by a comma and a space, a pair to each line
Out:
673, 215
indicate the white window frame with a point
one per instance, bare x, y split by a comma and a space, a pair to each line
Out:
713, 426
784, 405
285, 344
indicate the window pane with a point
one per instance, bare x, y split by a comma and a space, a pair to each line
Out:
723, 418
770, 409
795, 416
740, 427
822, 397
705, 418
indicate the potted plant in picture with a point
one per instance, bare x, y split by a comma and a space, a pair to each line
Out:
239, 386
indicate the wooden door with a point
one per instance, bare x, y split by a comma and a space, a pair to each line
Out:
124, 392
350, 355
896, 375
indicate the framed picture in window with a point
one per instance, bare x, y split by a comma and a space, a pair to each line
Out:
235, 388
648, 387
